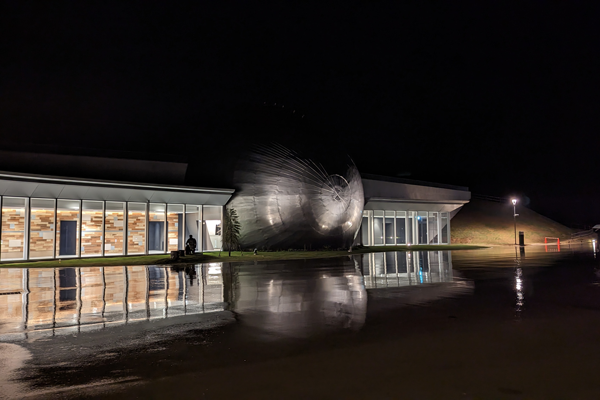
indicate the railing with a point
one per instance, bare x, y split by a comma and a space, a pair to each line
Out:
577, 235
582, 227
557, 240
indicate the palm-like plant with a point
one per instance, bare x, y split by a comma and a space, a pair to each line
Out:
231, 230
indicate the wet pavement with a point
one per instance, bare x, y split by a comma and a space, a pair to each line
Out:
477, 324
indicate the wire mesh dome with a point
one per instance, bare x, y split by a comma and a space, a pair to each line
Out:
285, 201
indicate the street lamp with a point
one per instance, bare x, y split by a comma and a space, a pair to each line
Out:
514, 201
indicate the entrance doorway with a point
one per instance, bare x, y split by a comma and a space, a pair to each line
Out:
156, 236
68, 238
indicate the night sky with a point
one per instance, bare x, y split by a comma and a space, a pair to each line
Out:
497, 96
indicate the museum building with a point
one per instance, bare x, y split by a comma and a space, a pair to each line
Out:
49, 216
405, 212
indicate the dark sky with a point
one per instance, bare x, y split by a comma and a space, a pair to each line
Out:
498, 96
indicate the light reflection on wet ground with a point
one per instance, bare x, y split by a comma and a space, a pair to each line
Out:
140, 331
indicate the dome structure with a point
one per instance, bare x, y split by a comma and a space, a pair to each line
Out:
285, 201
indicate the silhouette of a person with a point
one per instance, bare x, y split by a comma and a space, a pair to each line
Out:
191, 245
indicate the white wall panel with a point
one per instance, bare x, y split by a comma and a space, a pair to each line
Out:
79, 189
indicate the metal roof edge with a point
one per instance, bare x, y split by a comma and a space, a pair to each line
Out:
383, 178
417, 201
101, 183
74, 151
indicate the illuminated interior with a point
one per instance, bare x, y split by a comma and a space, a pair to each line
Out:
13, 228
114, 228
91, 228
136, 228
67, 232
175, 237
41, 228
37, 228
389, 227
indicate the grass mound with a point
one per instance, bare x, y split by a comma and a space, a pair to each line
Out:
488, 222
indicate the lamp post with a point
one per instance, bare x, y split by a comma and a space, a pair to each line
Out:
514, 202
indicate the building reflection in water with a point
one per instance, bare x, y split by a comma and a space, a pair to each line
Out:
291, 298
396, 269
69, 300
332, 294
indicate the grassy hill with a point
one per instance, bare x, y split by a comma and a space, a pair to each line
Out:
488, 222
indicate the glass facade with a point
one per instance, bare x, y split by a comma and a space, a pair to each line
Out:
364, 227
212, 223
193, 227
114, 228
433, 228
388, 227
136, 228
175, 237
377, 227
444, 226
14, 217
92, 220
41, 228
410, 227
422, 227
157, 228
67, 228
38, 228
400, 227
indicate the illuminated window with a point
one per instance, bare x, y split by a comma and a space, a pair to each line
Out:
175, 237
410, 227
377, 227
193, 223
157, 228
41, 228
67, 233
136, 228
400, 227
114, 228
365, 228
433, 228
212, 226
13, 228
91, 228
444, 227
390, 231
